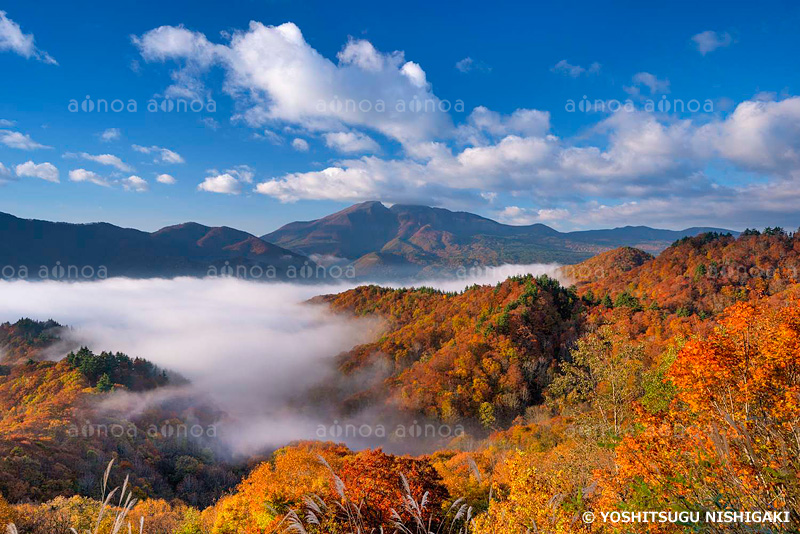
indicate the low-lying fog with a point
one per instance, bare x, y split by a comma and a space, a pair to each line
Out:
251, 347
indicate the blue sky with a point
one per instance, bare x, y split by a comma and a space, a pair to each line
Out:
501, 137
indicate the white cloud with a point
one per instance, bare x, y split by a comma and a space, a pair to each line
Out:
82, 175
758, 136
19, 140
13, 40
110, 134
709, 40
469, 65
166, 179
281, 84
135, 183
484, 125
346, 183
221, 183
163, 155
465, 65
414, 72
765, 96
654, 168
651, 81
5, 123
351, 142
45, 171
574, 71
754, 205
643, 157
276, 76
362, 54
269, 135
105, 159
525, 216
301, 145
229, 182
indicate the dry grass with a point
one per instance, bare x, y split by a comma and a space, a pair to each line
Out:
422, 520
115, 514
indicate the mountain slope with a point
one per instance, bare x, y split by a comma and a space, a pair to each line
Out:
451, 355
57, 431
189, 249
416, 238
700, 275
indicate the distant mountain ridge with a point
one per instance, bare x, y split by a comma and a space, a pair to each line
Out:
419, 239
400, 242
188, 249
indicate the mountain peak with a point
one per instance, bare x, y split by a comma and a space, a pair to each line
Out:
419, 237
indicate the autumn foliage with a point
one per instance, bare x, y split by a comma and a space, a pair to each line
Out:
667, 383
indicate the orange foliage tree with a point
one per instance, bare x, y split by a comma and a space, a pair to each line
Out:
731, 437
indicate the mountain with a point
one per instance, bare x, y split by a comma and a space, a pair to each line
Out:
419, 239
403, 241
40, 249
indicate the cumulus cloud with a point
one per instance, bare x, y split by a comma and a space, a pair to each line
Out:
351, 142
276, 76
484, 125
166, 179
640, 149
82, 175
110, 134
650, 164
163, 155
45, 171
19, 140
221, 183
5, 123
229, 182
279, 83
760, 136
301, 145
709, 40
13, 40
574, 71
135, 183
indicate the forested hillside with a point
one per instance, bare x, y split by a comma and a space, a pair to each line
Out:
487, 352
55, 439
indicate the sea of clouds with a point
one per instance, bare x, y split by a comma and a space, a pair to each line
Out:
254, 348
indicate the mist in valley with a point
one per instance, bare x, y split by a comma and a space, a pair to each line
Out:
256, 352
